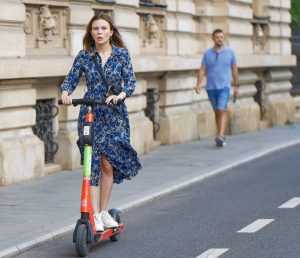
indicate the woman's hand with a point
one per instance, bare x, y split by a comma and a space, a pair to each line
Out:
66, 99
114, 98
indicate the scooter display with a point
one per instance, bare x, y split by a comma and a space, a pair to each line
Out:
85, 231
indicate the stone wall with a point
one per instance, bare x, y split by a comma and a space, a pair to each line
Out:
41, 37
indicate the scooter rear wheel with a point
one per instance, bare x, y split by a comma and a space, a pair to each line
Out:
82, 246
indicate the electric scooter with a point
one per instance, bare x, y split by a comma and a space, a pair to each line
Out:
85, 231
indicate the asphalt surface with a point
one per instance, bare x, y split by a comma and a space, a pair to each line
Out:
208, 215
42, 209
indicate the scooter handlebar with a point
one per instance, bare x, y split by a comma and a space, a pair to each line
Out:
89, 102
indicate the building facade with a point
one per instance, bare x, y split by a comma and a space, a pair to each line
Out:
166, 39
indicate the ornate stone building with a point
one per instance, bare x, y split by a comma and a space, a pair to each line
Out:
39, 39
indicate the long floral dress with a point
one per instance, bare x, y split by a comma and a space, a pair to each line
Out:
111, 127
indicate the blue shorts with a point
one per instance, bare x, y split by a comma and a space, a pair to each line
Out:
219, 98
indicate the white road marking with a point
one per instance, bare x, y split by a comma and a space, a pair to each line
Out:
294, 202
213, 253
255, 226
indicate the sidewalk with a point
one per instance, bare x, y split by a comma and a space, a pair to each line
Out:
43, 208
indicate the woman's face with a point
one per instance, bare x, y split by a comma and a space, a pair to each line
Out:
101, 31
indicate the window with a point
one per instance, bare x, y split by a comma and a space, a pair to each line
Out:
153, 3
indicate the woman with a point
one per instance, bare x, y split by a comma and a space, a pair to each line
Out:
113, 157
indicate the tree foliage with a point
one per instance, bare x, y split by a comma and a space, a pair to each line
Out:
295, 13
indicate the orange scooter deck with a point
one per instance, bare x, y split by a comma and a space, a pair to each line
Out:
109, 232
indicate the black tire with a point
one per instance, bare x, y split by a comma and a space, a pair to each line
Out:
117, 218
82, 246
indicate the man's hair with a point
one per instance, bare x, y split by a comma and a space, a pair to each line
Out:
217, 31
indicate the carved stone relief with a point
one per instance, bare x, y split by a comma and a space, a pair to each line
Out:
260, 34
46, 28
28, 23
47, 23
151, 31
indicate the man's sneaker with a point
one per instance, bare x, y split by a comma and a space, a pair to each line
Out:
98, 222
223, 141
107, 220
220, 141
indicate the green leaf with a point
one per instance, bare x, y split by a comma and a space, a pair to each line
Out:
295, 13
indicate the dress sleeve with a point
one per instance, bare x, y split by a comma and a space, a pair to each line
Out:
128, 74
72, 79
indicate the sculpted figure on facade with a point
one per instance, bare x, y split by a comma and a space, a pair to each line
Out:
152, 29
260, 37
27, 24
47, 23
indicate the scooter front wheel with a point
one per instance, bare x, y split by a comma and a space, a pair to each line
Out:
82, 246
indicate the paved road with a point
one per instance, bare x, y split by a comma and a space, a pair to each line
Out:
215, 215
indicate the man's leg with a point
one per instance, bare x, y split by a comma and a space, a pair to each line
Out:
221, 120
217, 118
221, 115
213, 99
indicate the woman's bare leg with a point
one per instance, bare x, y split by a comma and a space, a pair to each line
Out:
106, 183
95, 192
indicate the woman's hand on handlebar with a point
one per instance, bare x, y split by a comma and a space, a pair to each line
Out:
113, 99
66, 99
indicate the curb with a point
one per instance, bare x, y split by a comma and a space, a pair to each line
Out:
35, 242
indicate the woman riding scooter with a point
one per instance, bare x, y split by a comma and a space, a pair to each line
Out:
105, 61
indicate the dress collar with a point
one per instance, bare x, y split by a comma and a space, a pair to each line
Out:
115, 50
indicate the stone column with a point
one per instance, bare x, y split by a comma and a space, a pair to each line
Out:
127, 21
177, 122
233, 17
12, 17
297, 105
141, 128
279, 104
68, 155
280, 31
205, 114
21, 152
80, 15
244, 114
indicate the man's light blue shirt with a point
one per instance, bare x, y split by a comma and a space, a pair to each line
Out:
218, 67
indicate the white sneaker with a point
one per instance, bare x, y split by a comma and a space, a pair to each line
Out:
98, 222
107, 220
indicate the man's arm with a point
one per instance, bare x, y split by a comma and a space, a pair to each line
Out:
201, 74
235, 75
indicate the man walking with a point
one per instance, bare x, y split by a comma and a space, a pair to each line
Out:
218, 63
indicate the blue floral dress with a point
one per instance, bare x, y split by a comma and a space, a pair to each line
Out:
111, 127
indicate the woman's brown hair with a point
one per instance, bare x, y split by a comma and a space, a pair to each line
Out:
116, 39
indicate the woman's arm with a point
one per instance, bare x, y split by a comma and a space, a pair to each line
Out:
72, 79
128, 74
